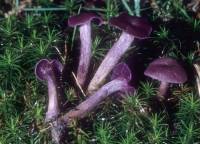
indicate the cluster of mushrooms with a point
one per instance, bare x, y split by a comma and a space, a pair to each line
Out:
166, 70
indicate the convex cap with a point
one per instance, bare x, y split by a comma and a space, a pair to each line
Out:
84, 18
45, 68
121, 70
166, 70
136, 26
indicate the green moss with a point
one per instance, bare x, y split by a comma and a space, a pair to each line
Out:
139, 118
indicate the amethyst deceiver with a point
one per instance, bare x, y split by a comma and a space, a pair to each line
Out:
84, 21
121, 70
121, 77
166, 70
132, 27
50, 71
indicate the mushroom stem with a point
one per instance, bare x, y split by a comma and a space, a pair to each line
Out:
91, 102
120, 78
162, 91
53, 107
85, 52
111, 59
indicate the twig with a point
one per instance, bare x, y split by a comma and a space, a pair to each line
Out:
197, 68
194, 5
154, 4
18, 9
45, 129
79, 86
65, 52
60, 54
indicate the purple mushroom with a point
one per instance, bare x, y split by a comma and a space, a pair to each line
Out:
119, 83
166, 70
50, 71
132, 27
84, 21
120, 78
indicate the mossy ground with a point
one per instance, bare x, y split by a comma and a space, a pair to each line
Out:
140, 118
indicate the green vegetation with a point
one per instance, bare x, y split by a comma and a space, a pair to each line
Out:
138, 118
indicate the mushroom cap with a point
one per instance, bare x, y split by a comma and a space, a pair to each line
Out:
84, 18
136, 26
166, 70
121, 71
45, 68
57, 66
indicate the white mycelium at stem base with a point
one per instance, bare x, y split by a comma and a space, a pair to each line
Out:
85, 53
111, 59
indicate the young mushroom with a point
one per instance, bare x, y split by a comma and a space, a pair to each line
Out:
50, 71
132, 27
119, 83
83, 20
166, 70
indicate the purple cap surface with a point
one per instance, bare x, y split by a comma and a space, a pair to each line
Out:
84, 18
46, 67
136, 26
57, 67
166, 70
121, 71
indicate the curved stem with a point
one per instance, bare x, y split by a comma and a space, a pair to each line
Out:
111, 59
59, 125
162, 91
85, 53
91, 102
